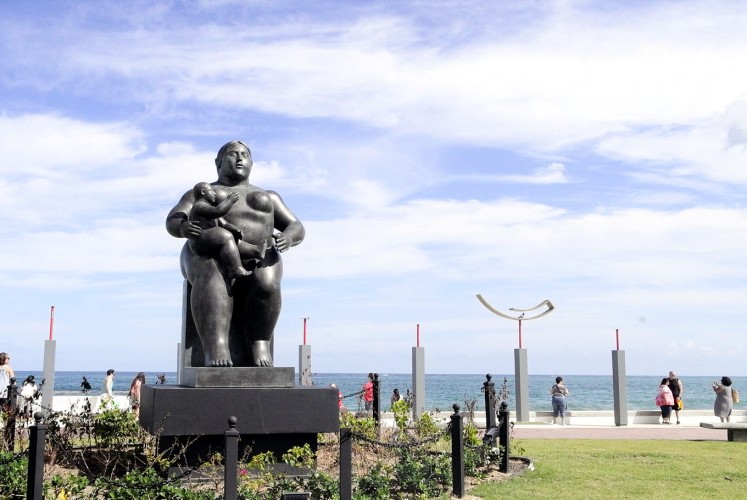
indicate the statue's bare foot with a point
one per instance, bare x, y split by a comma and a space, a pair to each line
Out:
241, 273
219, 356
261, 355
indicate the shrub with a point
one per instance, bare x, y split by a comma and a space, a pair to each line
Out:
401, 410
375, 484
420, 472
146, 483
13, 471
365, 426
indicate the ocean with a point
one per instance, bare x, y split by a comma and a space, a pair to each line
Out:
588, 392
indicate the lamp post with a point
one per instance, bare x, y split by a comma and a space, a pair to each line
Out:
520, 355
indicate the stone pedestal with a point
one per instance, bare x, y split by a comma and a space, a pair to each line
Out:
237, 377
269, 419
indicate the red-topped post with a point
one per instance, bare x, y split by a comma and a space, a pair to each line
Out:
520, 355
50, 348
304, 358
617, 338
51, 323
418, 376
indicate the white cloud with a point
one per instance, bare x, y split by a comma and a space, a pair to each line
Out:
559, 122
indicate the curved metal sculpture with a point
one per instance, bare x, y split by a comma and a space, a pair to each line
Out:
522, 316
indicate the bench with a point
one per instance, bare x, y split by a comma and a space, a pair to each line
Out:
735, 431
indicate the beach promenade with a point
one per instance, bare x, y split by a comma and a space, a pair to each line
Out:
686, 432
642, 424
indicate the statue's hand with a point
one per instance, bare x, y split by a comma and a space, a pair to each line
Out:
233, 197
190, 229
282, 243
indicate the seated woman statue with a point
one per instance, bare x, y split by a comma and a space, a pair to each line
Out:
235, 319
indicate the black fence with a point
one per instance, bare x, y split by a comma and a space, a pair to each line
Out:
497, 430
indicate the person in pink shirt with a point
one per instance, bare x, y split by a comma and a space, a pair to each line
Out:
368, 395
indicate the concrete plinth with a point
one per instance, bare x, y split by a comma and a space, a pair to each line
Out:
619, 388
237, 377
269, 419
521, 382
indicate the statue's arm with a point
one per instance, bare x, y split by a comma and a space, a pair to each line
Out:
203, 209
177, 222
235, 231
291, 230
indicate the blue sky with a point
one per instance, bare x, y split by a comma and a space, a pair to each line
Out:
589, 153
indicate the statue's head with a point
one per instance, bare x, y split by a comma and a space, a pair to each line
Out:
204, 190
234, 161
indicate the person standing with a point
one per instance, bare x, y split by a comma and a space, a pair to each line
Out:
107, 387
339, 396
675, 385
724, 403
559, 404
6, 373
665, 400
134, 393
85, 386
396, 396
368, 392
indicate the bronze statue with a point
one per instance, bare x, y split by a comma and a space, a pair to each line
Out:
235, 319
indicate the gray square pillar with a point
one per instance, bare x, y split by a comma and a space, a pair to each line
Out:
304, 364
418, 381
50, 347
521, 372
619, 388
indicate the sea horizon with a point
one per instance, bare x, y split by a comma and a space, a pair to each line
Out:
587, 392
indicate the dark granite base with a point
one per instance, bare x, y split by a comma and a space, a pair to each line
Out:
238, 377
268, 419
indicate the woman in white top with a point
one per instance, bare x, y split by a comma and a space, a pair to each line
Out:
6, 373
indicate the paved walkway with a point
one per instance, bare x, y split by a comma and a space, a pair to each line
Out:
638, 431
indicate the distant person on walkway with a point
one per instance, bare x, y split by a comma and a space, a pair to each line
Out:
368, 392
675, 385
665, 400
29, 392
396, 396
134, 393
6, 373
107, 387
85, 386
559, 392
339, 396
724, 402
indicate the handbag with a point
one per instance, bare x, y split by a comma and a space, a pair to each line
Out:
735, 396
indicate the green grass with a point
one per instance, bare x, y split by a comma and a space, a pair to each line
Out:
580, 468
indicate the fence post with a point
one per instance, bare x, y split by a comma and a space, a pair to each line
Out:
457, 453
35, 478
503, 416
12, 408
376, 398
488, 387
346, 463
231, 465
